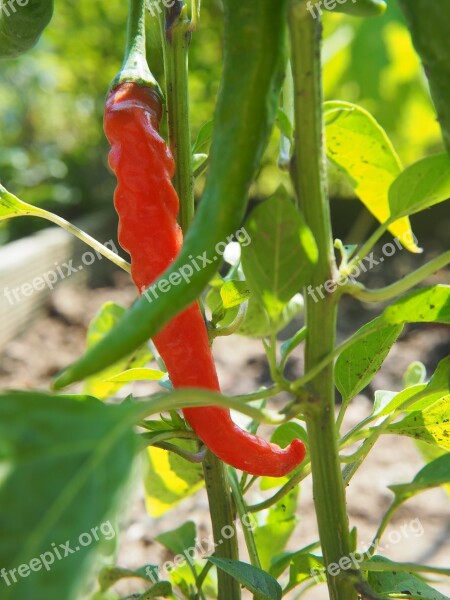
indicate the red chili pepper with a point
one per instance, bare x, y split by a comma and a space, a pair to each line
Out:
147, 204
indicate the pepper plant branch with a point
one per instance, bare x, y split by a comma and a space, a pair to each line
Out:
309, 178
242, 510
285, 489
367, 247
360, 292
197, 457
176, 40
374, 565
87, 239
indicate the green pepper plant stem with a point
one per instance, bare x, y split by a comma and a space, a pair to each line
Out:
177, 36
399, 287
176, 41
243, 513
309, 178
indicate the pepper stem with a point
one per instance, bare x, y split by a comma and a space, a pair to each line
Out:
135, 68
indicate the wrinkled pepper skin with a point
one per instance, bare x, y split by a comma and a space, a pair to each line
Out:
254, 67
21, 25
147, 205
428, 22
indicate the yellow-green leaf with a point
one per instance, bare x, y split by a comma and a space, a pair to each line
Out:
363, 153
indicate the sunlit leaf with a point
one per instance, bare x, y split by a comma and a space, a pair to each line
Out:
421, 186
137, 375
168, 478
234, 293
430, 425
363, 153
10, 206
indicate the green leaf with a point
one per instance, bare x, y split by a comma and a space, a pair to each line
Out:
398, 584
257, 324
110, 575
162, 588
168, 478
427, 305
198, 160
434, 474
282, 255
284, 124
415, 373
358, 146
234, 293
203, 141
421, 395
302, 568
137, 375
421, 186
11, 206
64, 463
260, 583
104, 384
430, 453
429, 425
356, 367
180, 539
274, 531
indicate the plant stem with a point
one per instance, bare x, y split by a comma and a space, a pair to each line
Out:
177, 38
87, 239
399, 287
243, 513
222, 516
309, 178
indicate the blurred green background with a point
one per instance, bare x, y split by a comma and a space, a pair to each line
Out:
52, 149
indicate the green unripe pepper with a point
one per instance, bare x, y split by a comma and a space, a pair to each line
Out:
428, 21
21, 25
254, 66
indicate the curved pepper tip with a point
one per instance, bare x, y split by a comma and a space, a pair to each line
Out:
297, 451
